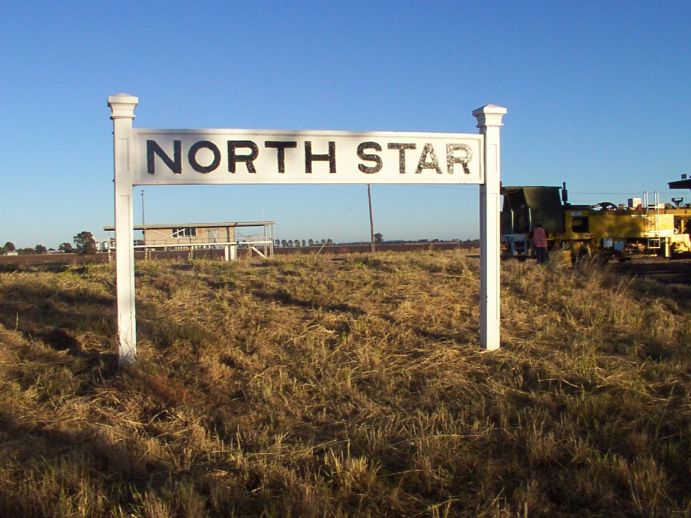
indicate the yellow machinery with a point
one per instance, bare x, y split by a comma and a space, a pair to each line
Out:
604, 229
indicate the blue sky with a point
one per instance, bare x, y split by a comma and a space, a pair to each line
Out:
598, 95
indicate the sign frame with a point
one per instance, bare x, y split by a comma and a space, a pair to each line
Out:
320, 166
234, 156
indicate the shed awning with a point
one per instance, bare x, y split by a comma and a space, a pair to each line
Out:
225, 224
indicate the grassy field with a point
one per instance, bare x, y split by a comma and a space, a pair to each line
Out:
347, 386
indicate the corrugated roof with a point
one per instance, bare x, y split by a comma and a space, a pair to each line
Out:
224, 224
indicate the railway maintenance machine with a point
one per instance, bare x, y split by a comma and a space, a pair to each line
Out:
605, 229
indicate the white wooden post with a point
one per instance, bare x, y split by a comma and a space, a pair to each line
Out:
489, 120
122, 113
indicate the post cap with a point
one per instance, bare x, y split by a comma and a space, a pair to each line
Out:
122, 106
489, 115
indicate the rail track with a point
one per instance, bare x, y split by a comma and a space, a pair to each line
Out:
663, 270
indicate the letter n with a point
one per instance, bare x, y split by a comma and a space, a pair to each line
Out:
153, 150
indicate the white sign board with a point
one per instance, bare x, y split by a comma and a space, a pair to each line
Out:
219, 156
252, 156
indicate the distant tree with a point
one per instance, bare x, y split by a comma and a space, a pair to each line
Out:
9, 247
277, 243
323, 242
284, 243
329, 241
85, 243
304, 243
290, 243
310, 242
66, 247
378, 237
40, 249
297, 243
26, 251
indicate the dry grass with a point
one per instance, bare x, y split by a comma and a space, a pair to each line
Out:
341, 387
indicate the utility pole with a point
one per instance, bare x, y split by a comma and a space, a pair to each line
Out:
371, 219
143, 220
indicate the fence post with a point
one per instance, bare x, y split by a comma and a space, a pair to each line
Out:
489, 120
122, 113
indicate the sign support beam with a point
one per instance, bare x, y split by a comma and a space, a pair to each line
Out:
122, 113
489, 120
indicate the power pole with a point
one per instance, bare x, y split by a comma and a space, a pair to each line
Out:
371, 219
143, 220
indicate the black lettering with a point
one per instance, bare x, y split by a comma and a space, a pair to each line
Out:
401, 154
329, 157
234, 158
428, 160
452, 159
192, 156
152, 148
372, 158
280, 147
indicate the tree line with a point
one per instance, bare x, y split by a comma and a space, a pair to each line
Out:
84, 243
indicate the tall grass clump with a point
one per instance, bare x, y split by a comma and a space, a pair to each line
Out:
345, 386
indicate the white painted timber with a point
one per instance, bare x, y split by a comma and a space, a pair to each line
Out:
489, 120
122, 113
225, 156
164, 157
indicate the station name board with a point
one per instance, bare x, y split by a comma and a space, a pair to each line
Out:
249, 156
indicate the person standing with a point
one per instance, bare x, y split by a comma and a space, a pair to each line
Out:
540, 243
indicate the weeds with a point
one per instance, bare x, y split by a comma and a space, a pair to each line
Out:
344, 386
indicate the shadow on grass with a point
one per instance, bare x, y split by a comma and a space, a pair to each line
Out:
284, 297
55, 316
49, 268
63, 321
55, 454
680, 294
